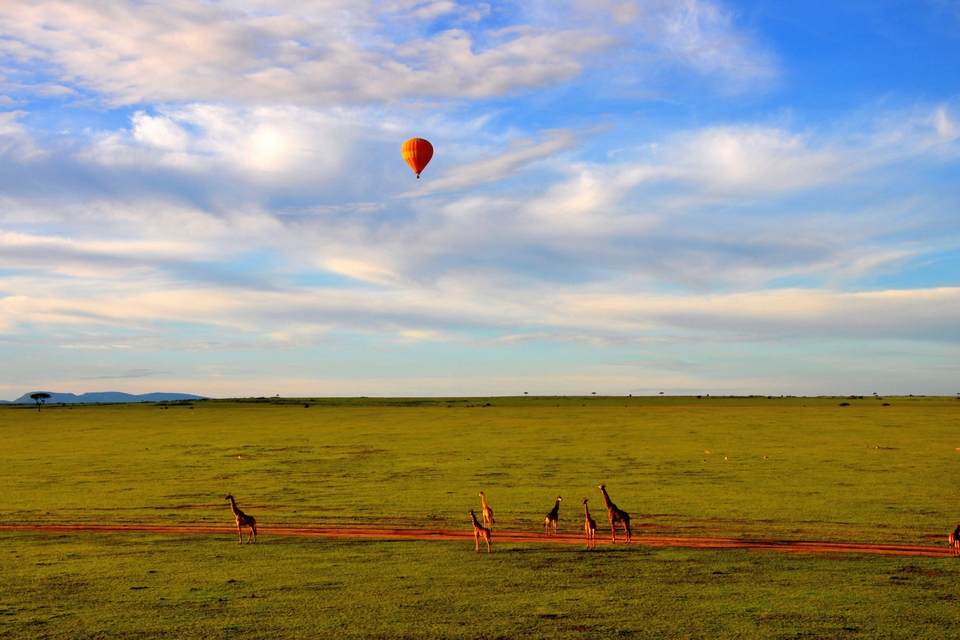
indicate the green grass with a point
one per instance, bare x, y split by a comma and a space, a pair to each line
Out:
421, 463
90, 586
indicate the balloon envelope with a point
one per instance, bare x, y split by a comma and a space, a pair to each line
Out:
417, 152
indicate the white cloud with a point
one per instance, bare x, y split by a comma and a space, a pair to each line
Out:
698, 34
266, 144
408, 311
322, 52
758, 160
703, 35
336, 52
590, 203
945, 126
15, 141
159, 132
431, 10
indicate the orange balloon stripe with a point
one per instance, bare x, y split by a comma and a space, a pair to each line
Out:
417, 152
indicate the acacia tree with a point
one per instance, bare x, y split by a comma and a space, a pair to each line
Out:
39, 398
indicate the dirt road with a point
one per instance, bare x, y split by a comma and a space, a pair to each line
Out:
512, 537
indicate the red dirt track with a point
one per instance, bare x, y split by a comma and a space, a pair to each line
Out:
513, 537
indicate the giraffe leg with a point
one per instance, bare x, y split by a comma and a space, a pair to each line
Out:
239, 534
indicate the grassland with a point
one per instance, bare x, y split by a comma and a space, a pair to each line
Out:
139, 586
420, 463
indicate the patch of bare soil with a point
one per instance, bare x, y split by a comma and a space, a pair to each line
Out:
513, 537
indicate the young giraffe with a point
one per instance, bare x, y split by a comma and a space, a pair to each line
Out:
553, 517
954, 540
616, 515
480, 531
589, 526
243, 520
487, 512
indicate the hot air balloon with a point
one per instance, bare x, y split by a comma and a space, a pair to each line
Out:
417, 152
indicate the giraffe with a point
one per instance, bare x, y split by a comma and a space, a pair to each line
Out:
552, 517
480, 531
487, 512
954, 540
616, 515
589, 526
243, 520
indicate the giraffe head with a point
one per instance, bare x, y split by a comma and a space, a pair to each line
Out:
229, 496
584, 501
602, 486
559, 499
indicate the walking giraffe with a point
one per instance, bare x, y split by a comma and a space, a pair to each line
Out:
616, 515
954, 540
243, 520
480, 531
553, 517
487, 512
589, 526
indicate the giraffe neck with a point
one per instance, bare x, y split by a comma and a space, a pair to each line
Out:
586, 510
234, 508
606, 499
475, 522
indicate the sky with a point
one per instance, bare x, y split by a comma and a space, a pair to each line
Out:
626, 197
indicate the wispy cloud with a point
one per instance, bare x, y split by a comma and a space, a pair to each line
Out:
329, 52
129, 373
520, 154
321, 52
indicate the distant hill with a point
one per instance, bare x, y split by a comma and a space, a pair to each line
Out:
106, 396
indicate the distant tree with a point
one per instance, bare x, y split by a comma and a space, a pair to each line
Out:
39, 398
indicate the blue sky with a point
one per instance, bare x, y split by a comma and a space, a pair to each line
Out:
683, 196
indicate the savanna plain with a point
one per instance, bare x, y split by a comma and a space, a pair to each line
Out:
863, 470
